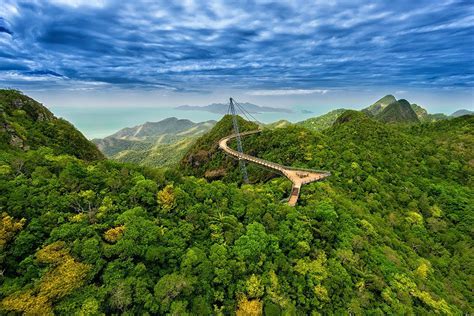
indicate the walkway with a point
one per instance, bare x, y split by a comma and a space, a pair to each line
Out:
297, 176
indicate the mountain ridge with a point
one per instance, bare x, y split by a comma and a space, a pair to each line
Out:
154, 129
153, 143
399, 111
462, 112
221, 108
141, 142
380, 104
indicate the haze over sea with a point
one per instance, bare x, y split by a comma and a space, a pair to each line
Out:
101, 122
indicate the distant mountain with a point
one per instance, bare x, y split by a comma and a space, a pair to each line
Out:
221, 108
434, 117
379, 105
162, 130
398, 112
278, 124
420, 112
424, 116
153, 143
462, 112
167, 126
321, 122
26, 124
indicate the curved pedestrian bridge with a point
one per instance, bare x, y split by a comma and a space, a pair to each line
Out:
297, 176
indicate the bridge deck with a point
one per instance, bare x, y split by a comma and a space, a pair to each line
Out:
297, 176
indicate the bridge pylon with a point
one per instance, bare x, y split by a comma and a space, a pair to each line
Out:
242, 165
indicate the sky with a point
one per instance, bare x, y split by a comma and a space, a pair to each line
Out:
318, 54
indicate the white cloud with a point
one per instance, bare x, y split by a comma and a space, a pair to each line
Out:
379, 40
79, 3
466, 22
16, 76
287, 92
8, 10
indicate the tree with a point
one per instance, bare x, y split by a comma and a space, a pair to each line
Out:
166, 198
249, 307
170, 286
144, 192
253, 243
8, 228
254, 286
65, 275
114, 234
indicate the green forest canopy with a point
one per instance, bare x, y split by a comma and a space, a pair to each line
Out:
388, 233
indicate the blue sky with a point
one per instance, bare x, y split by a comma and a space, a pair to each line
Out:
98, 53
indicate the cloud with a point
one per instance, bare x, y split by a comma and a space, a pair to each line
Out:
5, 30
287, 92
15, 76
43, 73
79, 3
265, 47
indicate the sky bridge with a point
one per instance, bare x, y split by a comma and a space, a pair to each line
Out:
298, 177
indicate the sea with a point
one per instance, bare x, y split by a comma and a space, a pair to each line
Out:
102, 122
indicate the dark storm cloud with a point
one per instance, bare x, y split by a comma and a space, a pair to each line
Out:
43, 73
250, 45
5, 30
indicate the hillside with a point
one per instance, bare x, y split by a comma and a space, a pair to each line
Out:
350, 116
398, 112
372, 163
420, 112
153, 143
204, 159
277, 124
26, 124
390, 232
321, 122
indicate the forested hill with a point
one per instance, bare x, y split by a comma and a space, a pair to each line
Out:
390, 232
412, 184
204, 159
381, 104
154, 144
389, 109
398, 112
26, 124
322, 122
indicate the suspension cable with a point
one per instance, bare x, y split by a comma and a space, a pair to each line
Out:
245, 111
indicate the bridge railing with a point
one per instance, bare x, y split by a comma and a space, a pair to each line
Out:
263, 161
229, 137
327, 173
260, 161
